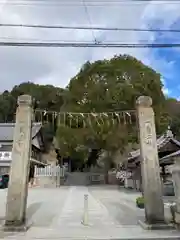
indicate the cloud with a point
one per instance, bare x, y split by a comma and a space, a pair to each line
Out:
165, 61
57, 65
166, 91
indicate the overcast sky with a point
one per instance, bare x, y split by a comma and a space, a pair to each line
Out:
57, 65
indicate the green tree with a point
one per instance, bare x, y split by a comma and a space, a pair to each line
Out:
102, 86
47, 96
7, 107
114, 85
173, 110
70, 142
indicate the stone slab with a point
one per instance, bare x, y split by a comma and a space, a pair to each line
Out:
177, 217
89, 233
57, 214
10, 228
16, 228
157, 226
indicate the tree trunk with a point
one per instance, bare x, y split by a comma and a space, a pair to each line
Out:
106, 179
107, 167
163, 174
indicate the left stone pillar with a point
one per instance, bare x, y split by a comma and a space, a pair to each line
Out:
15, 218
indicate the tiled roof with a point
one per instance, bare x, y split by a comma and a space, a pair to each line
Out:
7, 130
161, 142
169, 158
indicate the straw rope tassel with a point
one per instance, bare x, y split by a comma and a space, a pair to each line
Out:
124, 117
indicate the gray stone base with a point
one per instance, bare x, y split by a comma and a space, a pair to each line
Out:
156, 226
16, 227
177, 217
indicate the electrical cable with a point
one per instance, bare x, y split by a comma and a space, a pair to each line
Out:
87, 28
89, 45
92, 3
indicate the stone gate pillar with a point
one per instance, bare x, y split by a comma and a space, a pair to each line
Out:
150, 170
18, 182
176, 184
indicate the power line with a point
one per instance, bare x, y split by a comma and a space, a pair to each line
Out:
87, 28
88, 3
60, 41
42, 40
53, 40
71, 1
88, 45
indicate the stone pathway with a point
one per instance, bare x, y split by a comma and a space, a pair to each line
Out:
72, 212
57, 214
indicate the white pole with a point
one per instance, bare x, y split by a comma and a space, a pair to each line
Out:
85, 214
36, 171
58, 176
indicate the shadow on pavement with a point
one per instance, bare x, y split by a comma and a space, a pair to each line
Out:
32, 209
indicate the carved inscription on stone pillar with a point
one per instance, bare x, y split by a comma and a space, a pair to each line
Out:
20, 141
148, 133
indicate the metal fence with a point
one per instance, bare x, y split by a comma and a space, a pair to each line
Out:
49, 171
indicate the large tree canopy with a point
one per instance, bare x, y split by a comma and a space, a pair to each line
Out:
107, 86
114, 84
102, 86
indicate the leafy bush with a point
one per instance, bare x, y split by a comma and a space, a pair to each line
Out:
140, 202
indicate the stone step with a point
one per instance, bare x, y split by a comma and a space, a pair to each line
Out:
93, 233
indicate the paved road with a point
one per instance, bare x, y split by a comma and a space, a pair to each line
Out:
57, 214
120, 204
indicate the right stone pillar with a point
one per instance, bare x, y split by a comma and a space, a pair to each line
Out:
150, 170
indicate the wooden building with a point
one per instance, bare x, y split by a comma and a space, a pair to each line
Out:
6, 143
168, 147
